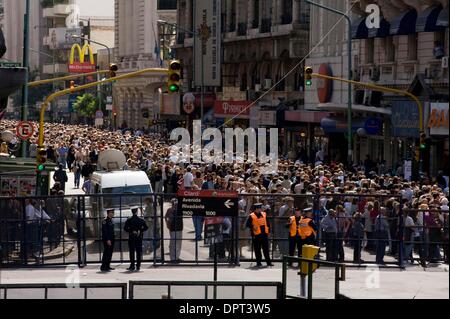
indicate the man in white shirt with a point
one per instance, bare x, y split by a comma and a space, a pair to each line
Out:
35, 217
188, 178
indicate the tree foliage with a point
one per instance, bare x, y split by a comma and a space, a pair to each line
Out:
86, 105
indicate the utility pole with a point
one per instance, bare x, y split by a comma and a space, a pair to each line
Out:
349, 88
25, 64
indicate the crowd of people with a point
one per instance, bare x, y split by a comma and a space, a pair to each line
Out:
359, 206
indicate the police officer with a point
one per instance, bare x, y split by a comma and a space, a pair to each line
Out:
308, 228
108, 240
259, 226
302, 231
135, 227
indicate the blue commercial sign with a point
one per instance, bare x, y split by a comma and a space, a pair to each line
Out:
405, 119
373, 126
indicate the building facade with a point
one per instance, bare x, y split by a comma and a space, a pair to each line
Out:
13, 12
408, 52
137, 47
262, 40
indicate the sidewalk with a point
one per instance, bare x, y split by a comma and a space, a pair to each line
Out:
363, 283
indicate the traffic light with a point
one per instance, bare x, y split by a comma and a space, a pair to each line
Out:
308, 76
423, 143
174, 82
41, 158
113, 68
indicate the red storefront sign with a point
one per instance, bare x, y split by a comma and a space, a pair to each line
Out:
238, 109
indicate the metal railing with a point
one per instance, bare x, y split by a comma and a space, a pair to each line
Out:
72, 235
48, 286
242, 285
339, 275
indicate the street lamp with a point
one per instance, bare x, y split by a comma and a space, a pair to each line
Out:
349, 49
109, 61
195, 33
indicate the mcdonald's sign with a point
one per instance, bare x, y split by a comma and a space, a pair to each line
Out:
81, 66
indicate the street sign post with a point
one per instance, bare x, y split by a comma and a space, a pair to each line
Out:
25, 130
208, 203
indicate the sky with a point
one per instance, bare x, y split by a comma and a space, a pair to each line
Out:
96, 8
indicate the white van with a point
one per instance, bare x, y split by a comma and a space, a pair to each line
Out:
121, 185
117, 187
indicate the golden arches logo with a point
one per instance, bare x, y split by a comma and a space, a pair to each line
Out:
81, 66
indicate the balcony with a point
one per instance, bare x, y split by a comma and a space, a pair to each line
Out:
58, 11
55, 69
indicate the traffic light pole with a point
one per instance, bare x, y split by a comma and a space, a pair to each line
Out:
349, 71
49, 99
26, 52
390, 90
65, 78
379, 88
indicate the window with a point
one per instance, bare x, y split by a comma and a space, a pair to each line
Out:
370, 50
389, 49
412, 47
167, 4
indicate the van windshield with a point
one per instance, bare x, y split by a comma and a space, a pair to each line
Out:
127, 198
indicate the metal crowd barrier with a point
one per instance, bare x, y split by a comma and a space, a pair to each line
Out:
206, 285
72, 235
48, 286
339, 275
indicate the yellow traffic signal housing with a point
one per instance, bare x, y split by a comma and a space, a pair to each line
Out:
308, 252
113, 68
308, 75
174, 81
41, 159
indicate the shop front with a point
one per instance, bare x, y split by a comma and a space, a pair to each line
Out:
438, 143
303, 136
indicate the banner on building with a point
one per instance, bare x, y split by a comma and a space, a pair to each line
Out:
237, 109
62, 38
207, 42
438, 119
405, 119
169, 104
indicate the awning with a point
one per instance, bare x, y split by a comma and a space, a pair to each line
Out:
442, 19
359, 29
382, 31
404, 23
426, 20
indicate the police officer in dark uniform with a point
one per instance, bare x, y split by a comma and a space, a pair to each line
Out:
108, 239
259, 226
135, 227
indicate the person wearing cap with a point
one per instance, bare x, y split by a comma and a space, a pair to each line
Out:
260, 230
108, 238
135, 227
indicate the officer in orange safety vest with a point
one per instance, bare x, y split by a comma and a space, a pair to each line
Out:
302, 231
260, 229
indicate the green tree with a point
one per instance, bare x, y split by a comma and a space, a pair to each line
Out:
86, 105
